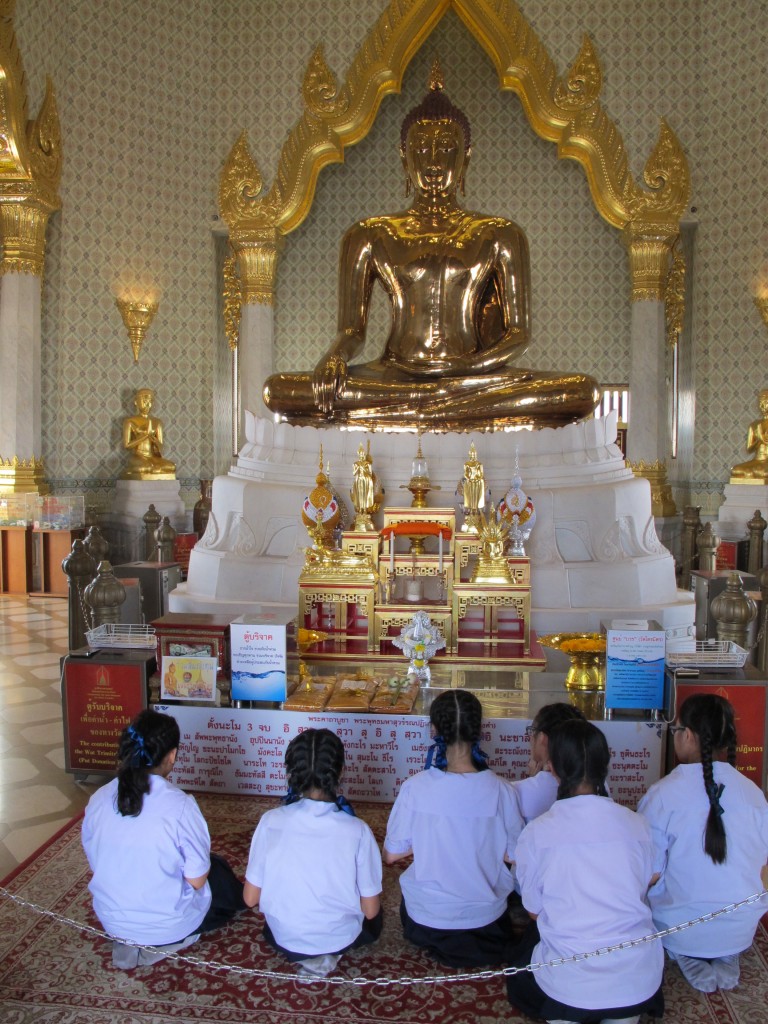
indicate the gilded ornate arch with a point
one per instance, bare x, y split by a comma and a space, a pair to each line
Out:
30, 160
562, 109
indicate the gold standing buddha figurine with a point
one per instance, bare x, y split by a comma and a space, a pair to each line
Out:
756, 470
143, 440
458, 284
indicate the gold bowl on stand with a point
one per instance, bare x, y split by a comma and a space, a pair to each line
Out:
585, 679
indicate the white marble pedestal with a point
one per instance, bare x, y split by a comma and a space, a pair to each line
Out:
594, 550
741, 501
125, 522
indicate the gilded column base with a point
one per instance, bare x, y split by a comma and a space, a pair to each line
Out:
662, 502
19, 476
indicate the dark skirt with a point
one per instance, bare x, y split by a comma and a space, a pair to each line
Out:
226, 895
494, 943
369, 933
528, 997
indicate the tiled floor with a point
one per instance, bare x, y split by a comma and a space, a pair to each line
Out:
37, 796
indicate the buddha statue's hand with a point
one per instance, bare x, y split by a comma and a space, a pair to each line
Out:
328, 381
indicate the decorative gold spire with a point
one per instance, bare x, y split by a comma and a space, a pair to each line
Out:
436, 77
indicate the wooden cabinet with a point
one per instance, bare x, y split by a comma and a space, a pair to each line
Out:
50, 548
16, 559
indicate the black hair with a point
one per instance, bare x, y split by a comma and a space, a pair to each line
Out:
579, 752
457, 717
710, 718
314, 760
436, 107
552, 715
143, 746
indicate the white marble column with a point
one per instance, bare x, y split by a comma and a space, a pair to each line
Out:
255, 357
20, 366
647, 436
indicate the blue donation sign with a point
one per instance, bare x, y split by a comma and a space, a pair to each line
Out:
258, 661
635, 668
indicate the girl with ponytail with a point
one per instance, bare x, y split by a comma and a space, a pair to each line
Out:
584, 868
155, 882
461, 823
710, 830
314, 868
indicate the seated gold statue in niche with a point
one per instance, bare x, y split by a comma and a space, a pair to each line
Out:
458, 285
756, 470
143, 439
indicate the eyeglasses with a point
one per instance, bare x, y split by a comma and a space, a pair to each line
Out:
530, 731
676, 728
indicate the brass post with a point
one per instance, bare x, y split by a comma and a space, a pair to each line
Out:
733, 610
80, 568
707, 547
756, 527
691, 530
105, 595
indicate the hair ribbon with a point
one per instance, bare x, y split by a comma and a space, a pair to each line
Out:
714, 792
140, 753
438, 753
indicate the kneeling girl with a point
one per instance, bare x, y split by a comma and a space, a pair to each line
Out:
314, 868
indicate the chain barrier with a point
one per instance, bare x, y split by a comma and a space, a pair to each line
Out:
360, 982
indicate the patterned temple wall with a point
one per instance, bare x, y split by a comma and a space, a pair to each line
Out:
152, 97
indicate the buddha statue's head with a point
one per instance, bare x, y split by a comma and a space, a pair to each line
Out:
435, 140
143, 400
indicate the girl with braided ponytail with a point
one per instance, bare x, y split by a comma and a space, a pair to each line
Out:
155, 881
584, 868
710, 830
461, 823
314, 868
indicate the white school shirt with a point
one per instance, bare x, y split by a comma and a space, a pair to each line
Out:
140, 864
536, 794
676, 808
312, 863
584, 867
460, 827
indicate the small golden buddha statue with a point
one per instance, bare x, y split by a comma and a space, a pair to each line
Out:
756, 470
458, 285
366, 493
472, 491
143, 439
492, 565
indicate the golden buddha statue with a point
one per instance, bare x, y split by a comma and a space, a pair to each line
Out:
143, 439
756, 470
458, 283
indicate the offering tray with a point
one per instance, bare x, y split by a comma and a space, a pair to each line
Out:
722, 654
111, 634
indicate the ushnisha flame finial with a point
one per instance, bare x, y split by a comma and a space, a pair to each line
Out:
436, 77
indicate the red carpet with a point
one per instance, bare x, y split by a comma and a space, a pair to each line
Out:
51, 973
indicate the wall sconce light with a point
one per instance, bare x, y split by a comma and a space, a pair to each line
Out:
137, 316
761, 301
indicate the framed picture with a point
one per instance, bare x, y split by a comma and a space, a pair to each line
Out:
188, 679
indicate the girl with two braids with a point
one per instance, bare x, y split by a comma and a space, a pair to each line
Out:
461, 824
314, 869
155, 882
584, 867
710, 830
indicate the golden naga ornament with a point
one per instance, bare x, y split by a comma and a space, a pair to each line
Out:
30, 161
492, 565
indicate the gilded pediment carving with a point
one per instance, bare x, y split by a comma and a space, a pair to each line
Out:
564, 109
